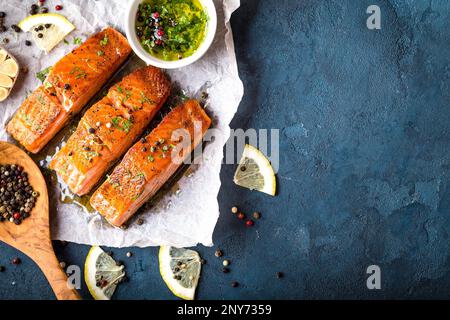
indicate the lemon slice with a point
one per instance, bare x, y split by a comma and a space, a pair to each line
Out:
255, 171
102, 274
58, 27
5, 81
3, 55
180, 270
3, 94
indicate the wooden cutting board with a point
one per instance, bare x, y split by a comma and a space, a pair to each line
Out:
32, 236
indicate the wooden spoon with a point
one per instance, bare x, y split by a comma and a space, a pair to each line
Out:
32, 236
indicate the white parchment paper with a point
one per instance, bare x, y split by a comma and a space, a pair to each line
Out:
183, 218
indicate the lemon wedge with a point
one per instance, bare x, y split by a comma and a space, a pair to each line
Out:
180, 270
102, 274
255, 172
47, 29
3, 94
3, 55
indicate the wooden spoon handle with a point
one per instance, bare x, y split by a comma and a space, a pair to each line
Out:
57, 278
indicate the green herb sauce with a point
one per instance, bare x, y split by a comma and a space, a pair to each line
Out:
171, 29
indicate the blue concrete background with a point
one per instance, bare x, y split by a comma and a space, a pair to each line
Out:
364, 160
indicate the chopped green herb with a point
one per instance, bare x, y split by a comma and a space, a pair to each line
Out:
104, 41
65, 41
152, 149
41, 75
127, 95
144, 99
150, 158
119, 89
77, 41
78, 73
100, 53
41, 99
47, 85
122, 124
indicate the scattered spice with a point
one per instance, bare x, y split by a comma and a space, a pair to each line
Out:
249, 223
17, 197
62, 264
218, 253
91, 130
280, 275
203, 261
234, 210
58, 7
225, 270
256, 215
235, 284
226, 263
16, 28
241, 216
16, 261
34, 9
129, 254
27, 43
2, 269
140, 222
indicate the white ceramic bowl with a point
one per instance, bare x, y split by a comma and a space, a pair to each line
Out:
210, 9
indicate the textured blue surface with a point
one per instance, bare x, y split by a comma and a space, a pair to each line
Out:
365, 157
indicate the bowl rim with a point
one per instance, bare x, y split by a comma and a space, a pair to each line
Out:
210, 9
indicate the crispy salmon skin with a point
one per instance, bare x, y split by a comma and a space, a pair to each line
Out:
150, 163
110, 127
70, 84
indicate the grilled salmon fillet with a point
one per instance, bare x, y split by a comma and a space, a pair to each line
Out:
70, 84
150, 163
109, 128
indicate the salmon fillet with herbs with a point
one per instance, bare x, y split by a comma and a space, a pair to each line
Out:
150, 163
110, 127
69, 85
